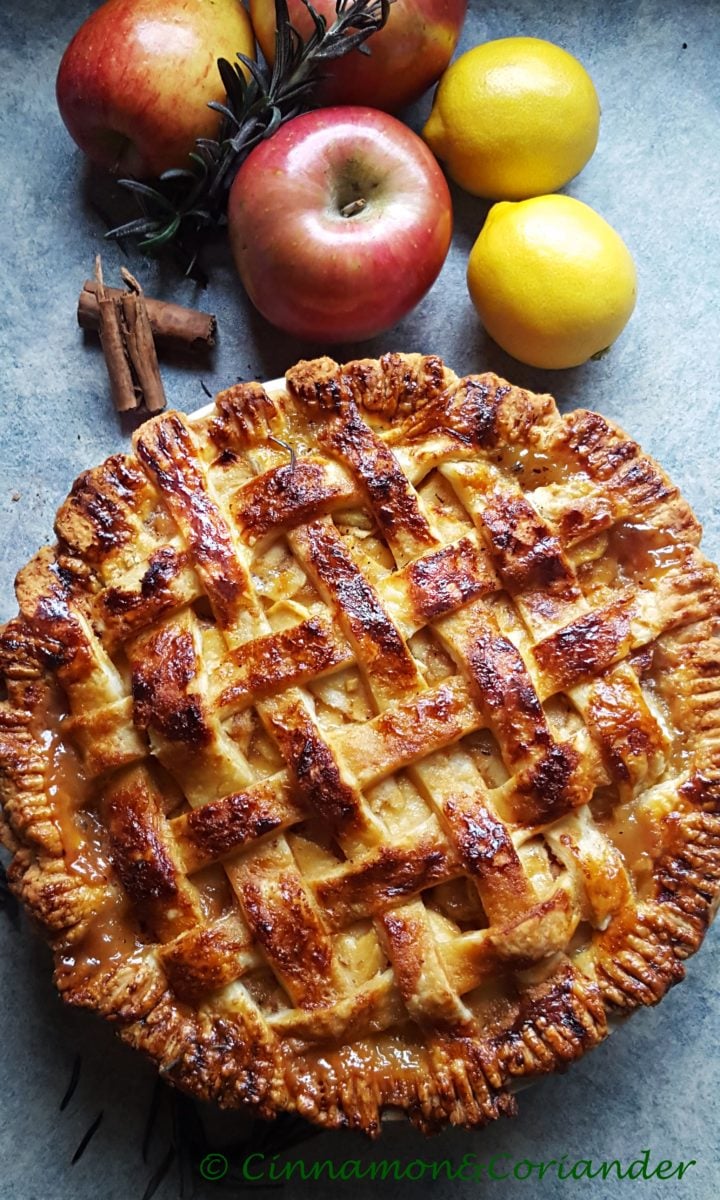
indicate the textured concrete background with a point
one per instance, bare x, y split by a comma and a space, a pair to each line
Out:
654, 177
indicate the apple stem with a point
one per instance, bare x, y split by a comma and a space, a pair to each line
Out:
355, 206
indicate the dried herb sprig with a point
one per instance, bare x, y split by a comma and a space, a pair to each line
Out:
187, 200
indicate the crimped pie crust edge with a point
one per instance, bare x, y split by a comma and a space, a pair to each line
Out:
461, 1080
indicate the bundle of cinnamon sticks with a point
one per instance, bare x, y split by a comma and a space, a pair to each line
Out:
131, 326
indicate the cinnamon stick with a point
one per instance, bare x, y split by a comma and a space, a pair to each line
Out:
140, 344
172, 325
124, 394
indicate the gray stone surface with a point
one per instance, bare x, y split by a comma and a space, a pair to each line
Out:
654, 177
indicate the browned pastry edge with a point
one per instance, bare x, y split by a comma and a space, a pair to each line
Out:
460, 1080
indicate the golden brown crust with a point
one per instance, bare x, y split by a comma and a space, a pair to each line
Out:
375, 776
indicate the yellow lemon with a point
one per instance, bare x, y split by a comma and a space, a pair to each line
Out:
552, 281
514, 118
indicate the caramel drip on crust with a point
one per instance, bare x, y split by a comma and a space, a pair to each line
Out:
68, 789
78, 900
380, 795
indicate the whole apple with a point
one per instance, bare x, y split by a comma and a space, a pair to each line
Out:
339, 223
135, 81
407, 56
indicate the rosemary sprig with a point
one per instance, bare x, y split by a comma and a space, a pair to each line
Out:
187, 200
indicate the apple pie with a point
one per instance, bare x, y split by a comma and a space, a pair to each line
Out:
361, 741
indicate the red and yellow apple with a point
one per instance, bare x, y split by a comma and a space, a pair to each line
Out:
135, 81
339, 223
408, 55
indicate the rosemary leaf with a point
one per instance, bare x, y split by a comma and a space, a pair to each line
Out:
199, 159
165, 235
184, 172
230, 78
258, 73
320, 22
141, 225
221, 108
153, 195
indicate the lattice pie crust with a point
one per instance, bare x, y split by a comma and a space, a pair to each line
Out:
361, 746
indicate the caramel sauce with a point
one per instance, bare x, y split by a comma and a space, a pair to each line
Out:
392, 1054
70, 793
635, 828
631, 836
445, 510
638, 837
643, 552
89, 857
596, 576
532, 466
387, 1058
216, 895
110, 940
266, 991
111, 936
633, 555
458, 902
